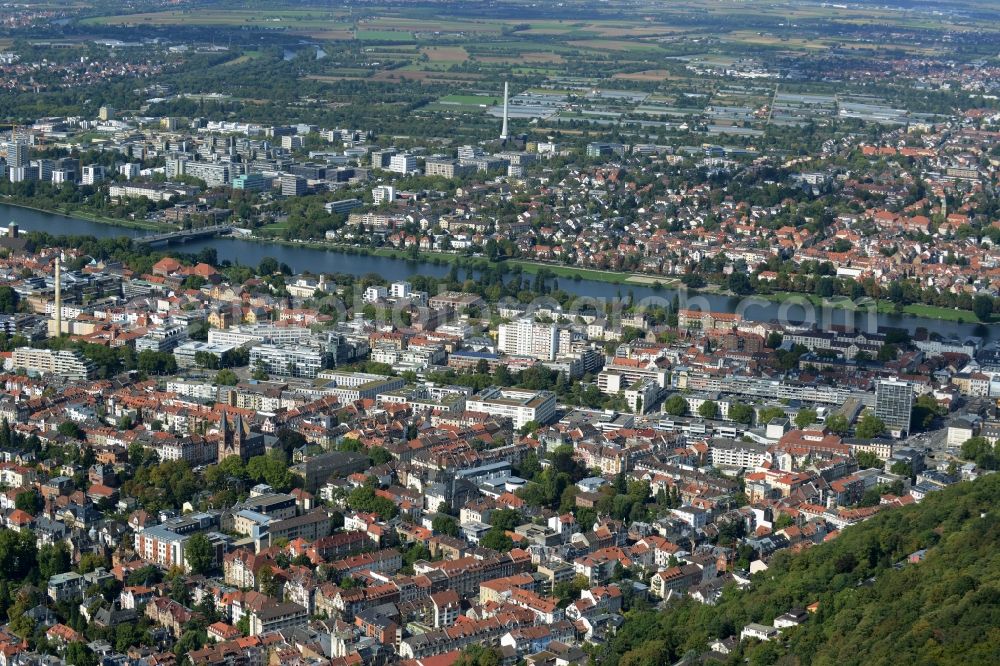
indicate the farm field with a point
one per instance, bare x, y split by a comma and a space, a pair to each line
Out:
445, 54
278, 19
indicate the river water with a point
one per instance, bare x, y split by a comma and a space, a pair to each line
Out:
250, 253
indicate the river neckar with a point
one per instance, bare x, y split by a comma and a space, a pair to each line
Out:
250, 252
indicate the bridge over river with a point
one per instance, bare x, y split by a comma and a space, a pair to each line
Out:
183, 236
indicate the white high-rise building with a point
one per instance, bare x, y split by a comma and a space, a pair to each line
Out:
403, 163
17, 154
526, 337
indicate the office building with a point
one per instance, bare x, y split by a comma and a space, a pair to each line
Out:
17, 154
92, 174
343, 206
152, 191
293, 186
309, 171
403, 163
519, 405
251, 182
162, 339
382, 158
43, 169
469, 152
292, 361
893, 404
188, 353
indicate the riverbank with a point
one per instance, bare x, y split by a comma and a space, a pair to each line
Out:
888, 307
531, 267
90, 217
626, 279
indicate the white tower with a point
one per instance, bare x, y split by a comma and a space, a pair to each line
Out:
503, 132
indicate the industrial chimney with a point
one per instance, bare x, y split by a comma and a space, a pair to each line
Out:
58, 298
503, 131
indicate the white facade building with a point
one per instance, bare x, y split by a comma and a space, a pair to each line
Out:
526, 337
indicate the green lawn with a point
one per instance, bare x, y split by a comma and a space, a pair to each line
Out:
384, 35
935, 312
470, 100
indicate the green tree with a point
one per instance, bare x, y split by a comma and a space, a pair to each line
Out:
266, 581
901, 468
867, 460
30, 501
741, 413
78, 654
496, 539
708, 409
70, 429
530, 427
379, 455
982, 306
837, 423
979, 450
925, 410
869, 426
200, 554
8, 300
506, 519
272, 469
676, 405
54, 559
18, 554
478, 655
805, 418
443, 524
768, 414
226, 377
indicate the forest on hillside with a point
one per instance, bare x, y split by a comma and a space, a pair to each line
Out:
942, 610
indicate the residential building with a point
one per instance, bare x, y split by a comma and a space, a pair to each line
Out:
526, 337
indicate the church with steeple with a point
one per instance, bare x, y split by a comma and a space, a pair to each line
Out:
237, 440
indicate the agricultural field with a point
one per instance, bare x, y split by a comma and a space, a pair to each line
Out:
702, 69
524, 58
445, 54
277, 19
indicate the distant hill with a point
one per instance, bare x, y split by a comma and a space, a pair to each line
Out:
942, 610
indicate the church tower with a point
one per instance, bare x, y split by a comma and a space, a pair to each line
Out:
237, 440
